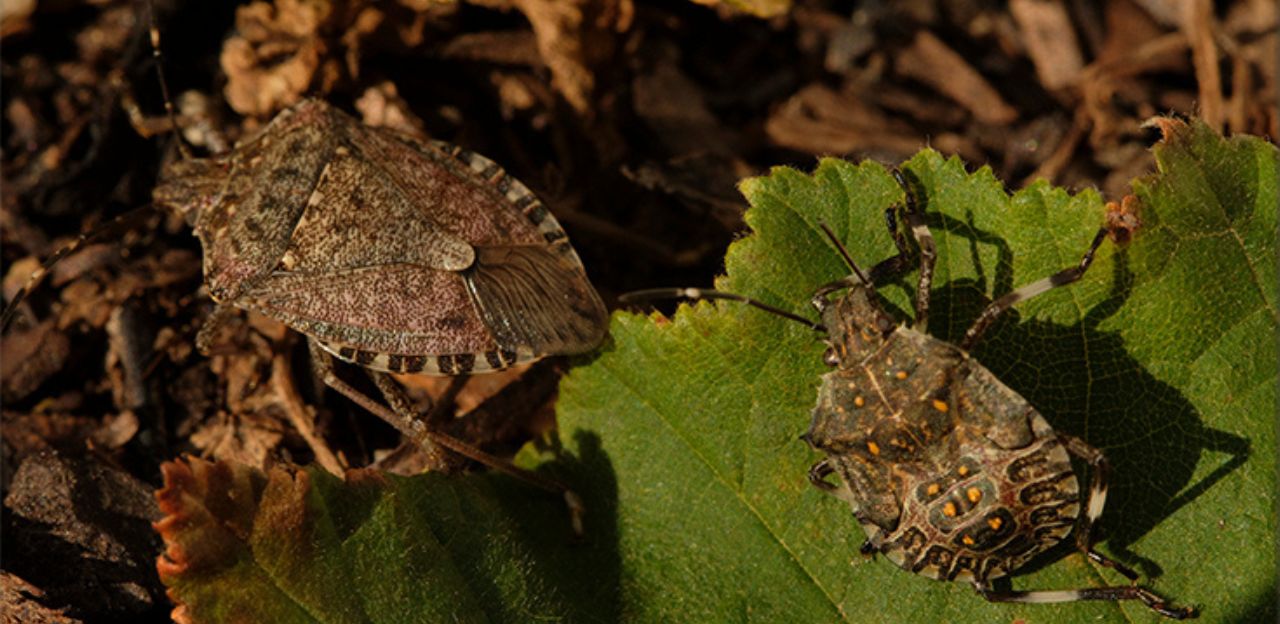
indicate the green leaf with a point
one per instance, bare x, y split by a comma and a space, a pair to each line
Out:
304, 546
1164, 356
682, 437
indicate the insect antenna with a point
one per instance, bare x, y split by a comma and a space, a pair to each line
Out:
158, 58
113, 228
123, 222
844, 252
703, 293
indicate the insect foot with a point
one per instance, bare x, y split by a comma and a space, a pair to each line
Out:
952, 474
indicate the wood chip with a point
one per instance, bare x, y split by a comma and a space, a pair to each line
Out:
818, 120
930, 61
1050, 40
1198, 24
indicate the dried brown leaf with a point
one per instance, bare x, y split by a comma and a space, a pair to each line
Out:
382, 106
248, 439
257, 82
574, 36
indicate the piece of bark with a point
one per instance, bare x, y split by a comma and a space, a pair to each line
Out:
1050, 41
81, 531
818, 120
23, 603
930, 61
1198, 23
29, 356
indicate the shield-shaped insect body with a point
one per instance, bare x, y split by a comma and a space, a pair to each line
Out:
393, 253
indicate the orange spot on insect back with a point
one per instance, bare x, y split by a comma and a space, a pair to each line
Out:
963, 470
974, 494
995, 523
873, 447
949, 510
858, 401
932, 489
940, 405
968, 541
900, 374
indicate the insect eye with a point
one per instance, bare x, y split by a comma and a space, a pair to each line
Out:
830, 357
884, 324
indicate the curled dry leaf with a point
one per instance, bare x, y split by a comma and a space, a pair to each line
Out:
382, 106
575, 36
257, 83
289, 48
208, 515
247, 439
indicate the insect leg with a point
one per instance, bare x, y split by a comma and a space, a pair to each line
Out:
1061, 278
913, 215
417, 431
1130, 592
890, 267
818, 474
400, 403
820, 301
928, 250
1099, 468
207, 335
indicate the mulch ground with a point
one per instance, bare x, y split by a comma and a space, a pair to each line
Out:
633, 121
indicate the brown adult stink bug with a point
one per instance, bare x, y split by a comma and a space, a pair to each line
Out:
951, 474
396, 254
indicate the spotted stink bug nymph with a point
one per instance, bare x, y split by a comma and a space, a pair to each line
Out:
951, 473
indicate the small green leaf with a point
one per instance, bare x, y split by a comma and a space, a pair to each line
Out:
304, 546
1164, 356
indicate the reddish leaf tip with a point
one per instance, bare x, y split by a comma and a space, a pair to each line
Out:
1123, 220
1169, 127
